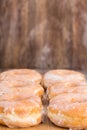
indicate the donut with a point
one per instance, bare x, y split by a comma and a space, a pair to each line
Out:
21, 113
69, 110
8, 92
67, 87
21, 76
56, 76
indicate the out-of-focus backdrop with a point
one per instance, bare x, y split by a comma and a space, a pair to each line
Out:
43, 34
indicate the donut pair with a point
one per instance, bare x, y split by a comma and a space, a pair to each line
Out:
20, 98
67, 93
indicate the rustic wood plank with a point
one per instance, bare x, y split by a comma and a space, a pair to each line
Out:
38, 127
60, 33
35, 34
79, 9
43, 34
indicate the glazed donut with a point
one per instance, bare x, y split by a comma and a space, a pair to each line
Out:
21, 76
8, 92
21, 113
67, 87
69, 110
55, 76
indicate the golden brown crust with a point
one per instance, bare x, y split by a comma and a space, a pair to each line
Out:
21, 76
8, 92
20, 98
66, 87
69, 110
26, 112
67, 92
56, 76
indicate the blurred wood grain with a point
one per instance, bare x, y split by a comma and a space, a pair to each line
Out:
79, 9
43, 34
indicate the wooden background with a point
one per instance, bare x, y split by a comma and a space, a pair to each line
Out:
43, 34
